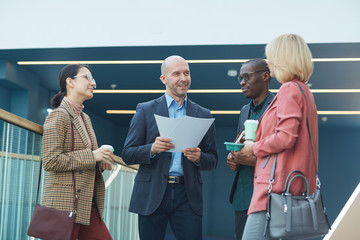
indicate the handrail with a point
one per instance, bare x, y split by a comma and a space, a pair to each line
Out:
20, 156
36, 128
20, 122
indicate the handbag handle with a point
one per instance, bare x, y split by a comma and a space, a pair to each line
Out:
73, 174
287, 192
288, 177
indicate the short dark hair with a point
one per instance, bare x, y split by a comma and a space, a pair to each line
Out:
68, 71
259, 62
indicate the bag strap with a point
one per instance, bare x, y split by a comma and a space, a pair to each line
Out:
271, 180
73, 174
312, 147
308, 128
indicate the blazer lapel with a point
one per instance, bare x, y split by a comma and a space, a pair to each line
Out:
191, 108
161, 107
91, 132
244, 116
80, 130
76, 121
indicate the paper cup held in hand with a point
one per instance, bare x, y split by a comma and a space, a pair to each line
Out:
250, 129
108, 147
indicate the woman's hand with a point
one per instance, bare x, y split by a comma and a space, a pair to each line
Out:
104, 156
247, 150
243, 159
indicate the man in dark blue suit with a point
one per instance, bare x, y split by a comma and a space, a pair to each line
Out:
168, 186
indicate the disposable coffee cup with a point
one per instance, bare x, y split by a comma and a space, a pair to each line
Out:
250, 129
108, 147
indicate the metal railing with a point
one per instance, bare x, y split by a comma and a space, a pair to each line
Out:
20, 150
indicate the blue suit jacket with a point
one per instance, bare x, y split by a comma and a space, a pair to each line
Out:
151, 179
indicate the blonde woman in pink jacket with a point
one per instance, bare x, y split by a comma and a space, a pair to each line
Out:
283, 130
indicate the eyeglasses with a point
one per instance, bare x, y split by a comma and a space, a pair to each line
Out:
246, 76
88, 76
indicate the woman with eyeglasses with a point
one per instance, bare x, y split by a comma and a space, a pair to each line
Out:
69, 145
283, 130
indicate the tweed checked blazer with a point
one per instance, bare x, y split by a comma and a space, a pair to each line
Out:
59, 162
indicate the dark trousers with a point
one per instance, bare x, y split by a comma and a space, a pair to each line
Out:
97, 229
240, 220
175, 209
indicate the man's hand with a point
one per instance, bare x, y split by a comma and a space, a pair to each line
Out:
241, 158
161, 144
193, 154
231, 163
246, 155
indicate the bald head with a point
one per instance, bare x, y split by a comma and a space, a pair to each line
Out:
175, 75
169, 60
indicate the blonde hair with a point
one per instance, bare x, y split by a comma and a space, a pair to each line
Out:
290, 56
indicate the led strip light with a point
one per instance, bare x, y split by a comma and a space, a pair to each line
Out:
110, 62
123, 91
237, 112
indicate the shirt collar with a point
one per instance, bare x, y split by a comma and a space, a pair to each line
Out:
259, 106
170, 100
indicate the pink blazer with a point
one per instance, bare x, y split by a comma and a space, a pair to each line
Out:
287, 115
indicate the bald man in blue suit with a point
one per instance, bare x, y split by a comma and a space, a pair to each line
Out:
168, 186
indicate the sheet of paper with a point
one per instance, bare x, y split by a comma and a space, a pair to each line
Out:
185, 132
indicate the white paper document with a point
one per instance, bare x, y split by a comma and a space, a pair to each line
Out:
185, 132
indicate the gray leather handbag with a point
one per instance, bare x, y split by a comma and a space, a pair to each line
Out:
295, 217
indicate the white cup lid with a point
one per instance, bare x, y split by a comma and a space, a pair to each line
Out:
251, 121
107, 147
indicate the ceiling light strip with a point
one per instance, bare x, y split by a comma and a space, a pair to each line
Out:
122, 91
336, 59
231, 112
335, 90
339, 112
130, 91
225, 112
218, 61
120, 111
109, 62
